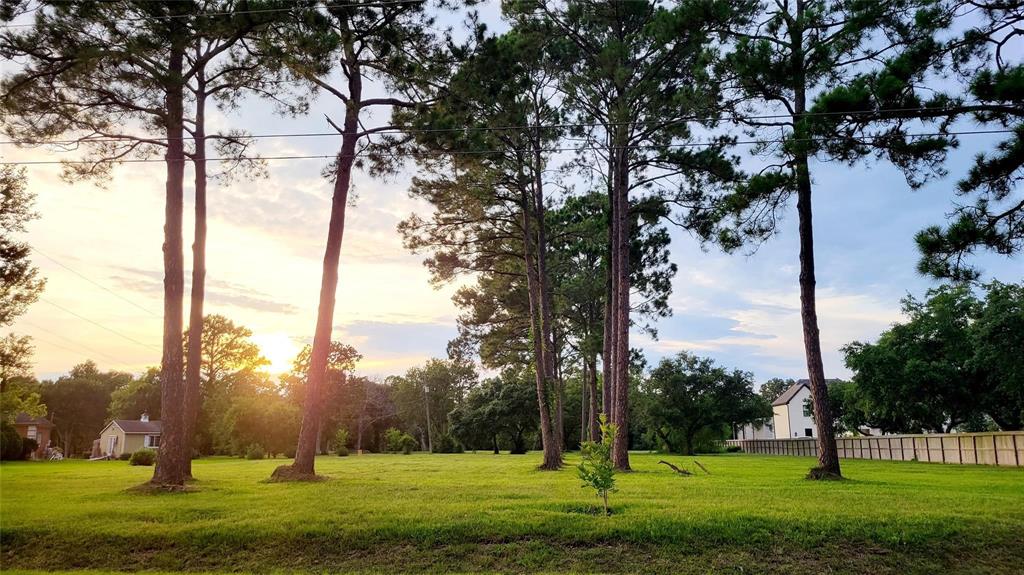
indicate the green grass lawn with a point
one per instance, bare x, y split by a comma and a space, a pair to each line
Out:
481, 513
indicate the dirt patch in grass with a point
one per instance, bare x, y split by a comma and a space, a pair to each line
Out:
819, 474
287, 473
150, 488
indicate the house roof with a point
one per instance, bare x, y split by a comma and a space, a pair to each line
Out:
788, 395
136, 426
26, 419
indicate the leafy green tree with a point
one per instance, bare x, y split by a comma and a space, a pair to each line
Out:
597, 469
996, 334
20, 284
266, 419
78, 404
140, 395
688, 395
18, 393
499, 410
775, 387
227, 357
921, 374
425, 396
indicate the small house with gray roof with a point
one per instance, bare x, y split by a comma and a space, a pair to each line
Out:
129, 435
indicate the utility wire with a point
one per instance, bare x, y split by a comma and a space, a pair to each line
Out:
95, 283
83, 346
393, 155
396, 130
96, 323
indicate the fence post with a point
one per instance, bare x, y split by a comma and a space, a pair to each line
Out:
995, 449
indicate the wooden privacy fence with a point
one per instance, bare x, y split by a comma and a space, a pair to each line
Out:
999, 448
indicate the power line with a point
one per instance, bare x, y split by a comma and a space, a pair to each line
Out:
97, 284
101, 326
85, 347
393, 155
396, 130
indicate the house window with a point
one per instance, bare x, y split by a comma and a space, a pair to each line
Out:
32, 432
808, 409
808, 432
152, 441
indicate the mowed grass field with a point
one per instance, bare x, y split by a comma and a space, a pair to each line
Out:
487, 513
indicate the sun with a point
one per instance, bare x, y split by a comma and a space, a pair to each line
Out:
279, 348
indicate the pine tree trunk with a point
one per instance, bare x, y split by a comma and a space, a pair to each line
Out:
620, 371
193, 361
305, 451
593, 423
828, 454
584, 402
552, 379
552, 457
171, 465
610, 297
430, 425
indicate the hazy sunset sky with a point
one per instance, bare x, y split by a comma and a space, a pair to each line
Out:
266, 244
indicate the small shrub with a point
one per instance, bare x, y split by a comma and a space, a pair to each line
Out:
10, 443
289, 453
144, 456
125, 456
393, 440
255, 451
447, 444
341, 442
597, 470
733, 449
407, 443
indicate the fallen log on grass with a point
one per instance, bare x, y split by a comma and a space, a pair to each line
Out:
678, 470
702, 467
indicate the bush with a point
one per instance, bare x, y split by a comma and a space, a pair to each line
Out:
393, 440
28, 447
290, 453
10, 443
733, 449
408, 443
144, 456
447, 444
341, 442
125, 456
255, 451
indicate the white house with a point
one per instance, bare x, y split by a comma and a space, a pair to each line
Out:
792, 414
